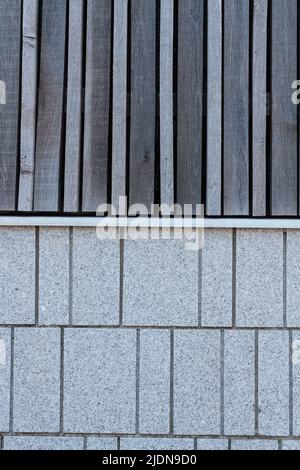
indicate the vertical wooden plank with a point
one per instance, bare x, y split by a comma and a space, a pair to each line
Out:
28, 105
214, 108
259, 106
190, 101
142, 121
119, 101
166, 102
74, 108
284, 112
97, 93
10, 36
50, 106
236, 107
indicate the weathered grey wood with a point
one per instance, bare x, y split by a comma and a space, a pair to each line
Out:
236, 107
97, 91
259, 107
284, 112
10, 31
166, 102
119, 101
214, 108
74, 108
28, 105
190, 101
142, 122
50, 106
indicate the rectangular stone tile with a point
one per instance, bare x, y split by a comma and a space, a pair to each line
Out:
149, 443
17, 275
290, 445
102, 443
197, 382
273, 383
293, 278
154, 395
259, 278
100, 381
53, 276
5, 358
96, 279
42, 443
36, 405
239, 382
216, 296
160, 283
254, 444
296, 381
212, 444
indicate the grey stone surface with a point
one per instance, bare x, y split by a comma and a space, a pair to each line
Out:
146, 443
36, 405
254, 444
17, 275
96, 279
273, 383
296, 381
100, 380
5, 358
239, 382
216, 297
160, 283
43, 443
154, 392
212, 444
259, 278
290, 445
53, 276
197, 382
102, 443
293, 278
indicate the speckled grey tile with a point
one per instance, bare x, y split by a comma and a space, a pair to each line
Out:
102, 443
96, 279
254, 444
296, 381
5, 358
259, 278
217, 278
273, 383
100, 378
197, 382
42, 443
148, 443
212, 444
53, 276
17, 275
293, 278
36, 380
154, 381
239, 383
290, 445
160, 283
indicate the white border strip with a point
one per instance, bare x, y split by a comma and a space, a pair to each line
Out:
36, 221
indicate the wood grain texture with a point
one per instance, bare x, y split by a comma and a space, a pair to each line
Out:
10, 38
236, 107
50, 107
28, 105
166, 102
259, 106
214, 109
74, 108
190, 101
97, 93
142, 121
284, 112
119, 101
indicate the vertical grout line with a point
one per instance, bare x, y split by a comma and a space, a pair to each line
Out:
200, 288
229, 444
61, 424
291, 397
284, 278
11, 405
37, 274
171, 431
85, 443
256, 404
222, 384
195, 443
1, 442
71, 276
137, 415
234, 278
121, 287
118, 443
280, 444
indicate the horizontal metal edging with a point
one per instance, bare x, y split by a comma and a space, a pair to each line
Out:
243, 223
